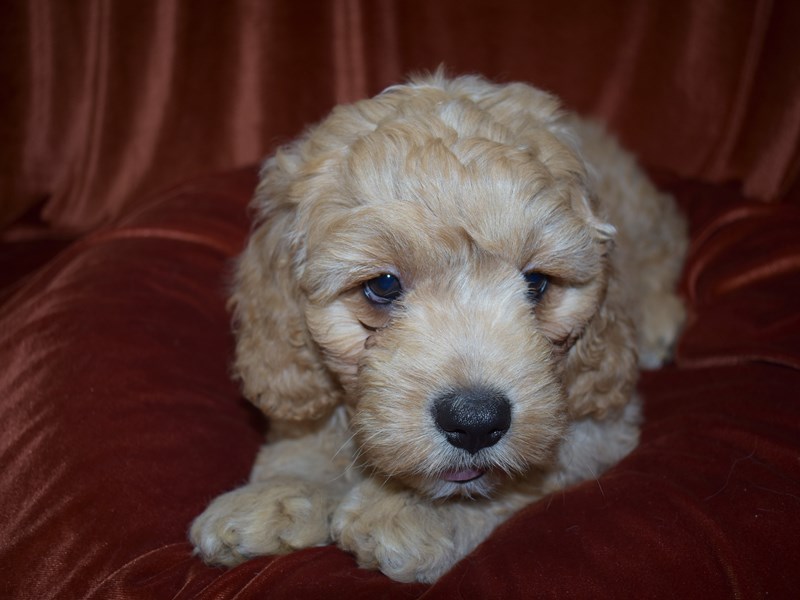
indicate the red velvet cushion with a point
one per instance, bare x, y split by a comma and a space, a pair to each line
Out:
120, 422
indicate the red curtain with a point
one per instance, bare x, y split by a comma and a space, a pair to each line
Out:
105, 101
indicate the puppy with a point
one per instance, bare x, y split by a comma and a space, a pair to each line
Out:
442, 309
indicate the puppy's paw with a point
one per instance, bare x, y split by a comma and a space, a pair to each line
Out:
270, 517
401, 534
662, 320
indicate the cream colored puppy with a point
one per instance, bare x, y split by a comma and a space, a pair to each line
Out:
440, 309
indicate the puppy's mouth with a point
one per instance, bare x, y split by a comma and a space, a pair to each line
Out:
463, 476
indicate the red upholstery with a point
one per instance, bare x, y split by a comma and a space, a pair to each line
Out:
118, 419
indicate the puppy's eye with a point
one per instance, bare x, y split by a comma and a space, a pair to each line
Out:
383, 289
537, 283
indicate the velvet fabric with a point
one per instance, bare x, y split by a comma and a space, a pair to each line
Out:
105, 101
118, 418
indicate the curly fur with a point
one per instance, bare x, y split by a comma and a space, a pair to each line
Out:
457, 187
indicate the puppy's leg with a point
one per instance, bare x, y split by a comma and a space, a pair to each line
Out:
410, 538
294, 488
658, 263
661, 323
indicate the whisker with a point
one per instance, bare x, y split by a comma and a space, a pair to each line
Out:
344, 444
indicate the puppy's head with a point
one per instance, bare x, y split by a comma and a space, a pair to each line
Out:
432, 259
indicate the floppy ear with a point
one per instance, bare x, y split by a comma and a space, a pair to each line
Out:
601, 367
276, 359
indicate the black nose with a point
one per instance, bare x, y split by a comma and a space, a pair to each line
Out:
472, 418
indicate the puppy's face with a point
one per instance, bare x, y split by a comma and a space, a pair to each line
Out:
447, 268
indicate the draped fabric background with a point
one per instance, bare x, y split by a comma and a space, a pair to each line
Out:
105, 101
129, 138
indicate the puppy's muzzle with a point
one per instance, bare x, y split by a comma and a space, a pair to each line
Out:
472, 418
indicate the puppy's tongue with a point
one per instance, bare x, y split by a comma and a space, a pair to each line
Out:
462, 476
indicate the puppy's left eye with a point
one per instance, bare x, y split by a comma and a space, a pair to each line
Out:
537, 283
383, 289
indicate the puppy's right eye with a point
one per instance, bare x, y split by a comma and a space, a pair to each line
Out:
537, 284
383, 289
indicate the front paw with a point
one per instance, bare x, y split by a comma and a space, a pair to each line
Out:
270, 517
405, 536
662, 320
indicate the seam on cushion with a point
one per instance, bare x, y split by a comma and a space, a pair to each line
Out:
125, 233
42, 277
780, 266
697, 266
704, 362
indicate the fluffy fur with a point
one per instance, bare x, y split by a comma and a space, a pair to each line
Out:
457, 187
